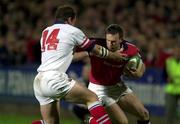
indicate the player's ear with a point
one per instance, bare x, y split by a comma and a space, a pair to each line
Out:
70, 21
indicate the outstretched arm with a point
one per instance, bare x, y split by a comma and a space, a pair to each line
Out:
106, 54
80, 56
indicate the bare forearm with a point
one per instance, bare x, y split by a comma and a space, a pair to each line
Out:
79, 56
106, 54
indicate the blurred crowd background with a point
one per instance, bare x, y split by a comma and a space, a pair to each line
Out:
153, 25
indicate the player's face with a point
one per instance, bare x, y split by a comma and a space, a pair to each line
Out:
113, 42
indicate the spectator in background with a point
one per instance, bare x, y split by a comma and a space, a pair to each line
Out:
156, 54
33, 52
173, 84
3, 53
151, 20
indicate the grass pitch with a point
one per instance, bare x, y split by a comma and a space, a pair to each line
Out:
26, 113
26, 119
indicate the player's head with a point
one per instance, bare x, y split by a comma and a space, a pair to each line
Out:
114, 36
65, 14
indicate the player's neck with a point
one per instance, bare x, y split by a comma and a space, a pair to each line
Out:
59, 22
121, 49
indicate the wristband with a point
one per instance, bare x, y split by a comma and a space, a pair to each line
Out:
103, 52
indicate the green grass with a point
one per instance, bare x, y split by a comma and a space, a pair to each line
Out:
65, 119
25, 119
26, 113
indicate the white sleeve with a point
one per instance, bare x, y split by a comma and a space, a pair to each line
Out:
81, 40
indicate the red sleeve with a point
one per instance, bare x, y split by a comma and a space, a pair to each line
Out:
131, 50
88, 47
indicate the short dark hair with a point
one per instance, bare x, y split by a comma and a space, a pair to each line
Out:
114, 29
64, 12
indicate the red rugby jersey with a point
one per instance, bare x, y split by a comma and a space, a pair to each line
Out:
106, 72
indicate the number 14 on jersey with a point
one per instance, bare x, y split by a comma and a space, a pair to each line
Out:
50, 42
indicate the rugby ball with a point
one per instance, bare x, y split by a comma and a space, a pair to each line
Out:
134, 62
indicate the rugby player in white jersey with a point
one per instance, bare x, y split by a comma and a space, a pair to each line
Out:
52, 83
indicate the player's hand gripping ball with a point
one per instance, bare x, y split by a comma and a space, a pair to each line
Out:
132, 65
134, 62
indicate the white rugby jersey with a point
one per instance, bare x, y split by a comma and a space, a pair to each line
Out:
57, 44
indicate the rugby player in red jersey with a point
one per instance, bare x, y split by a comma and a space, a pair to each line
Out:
105, 79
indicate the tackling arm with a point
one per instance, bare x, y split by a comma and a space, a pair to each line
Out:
79, 56
106, 54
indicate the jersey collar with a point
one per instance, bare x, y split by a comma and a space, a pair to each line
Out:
59, 22
124, 45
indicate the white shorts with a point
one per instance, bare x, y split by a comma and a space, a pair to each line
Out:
109, 94
51, 85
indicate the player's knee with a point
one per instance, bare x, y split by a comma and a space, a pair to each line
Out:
92, 97
120, 120
51, 121
123, 121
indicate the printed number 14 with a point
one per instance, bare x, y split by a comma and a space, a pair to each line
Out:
50, 42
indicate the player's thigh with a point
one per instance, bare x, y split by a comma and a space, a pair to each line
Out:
51, 86
80, 94
50, 112
133, 105
116, 114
